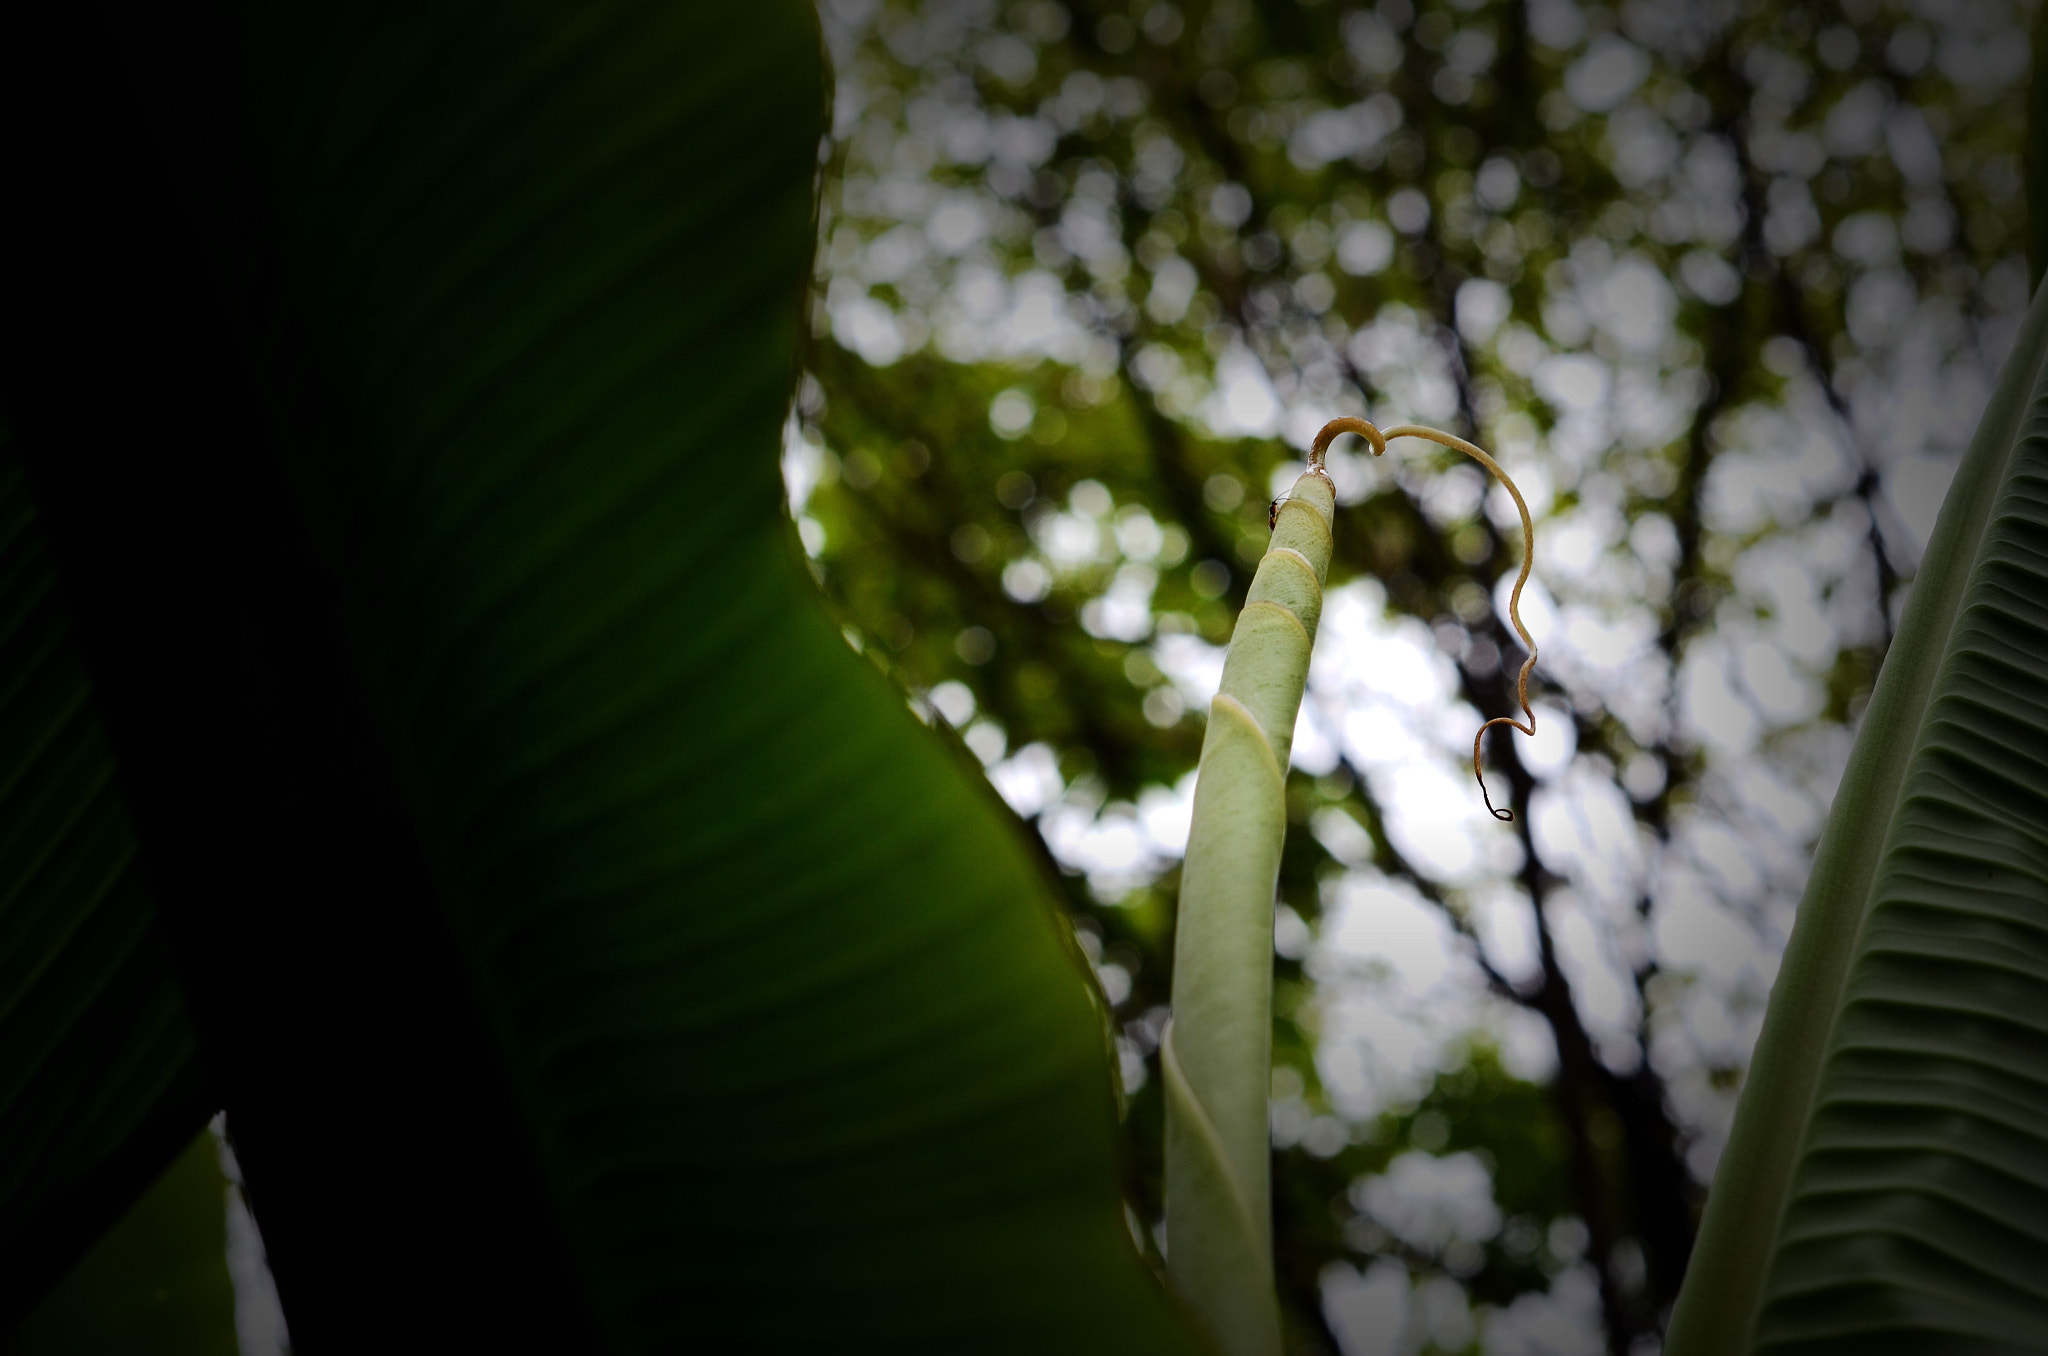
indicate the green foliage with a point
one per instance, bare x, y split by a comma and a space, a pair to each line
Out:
1826, 197
545, 737
1477, 1106
426, 216
1914, 1213
1216, 1055
1853, 1143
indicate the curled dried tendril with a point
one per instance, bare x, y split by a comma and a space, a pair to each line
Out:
1378, 441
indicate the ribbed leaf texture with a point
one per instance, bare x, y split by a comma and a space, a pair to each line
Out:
597, 953
804, 1055
1726, 1280
99, 1083
1918, 1215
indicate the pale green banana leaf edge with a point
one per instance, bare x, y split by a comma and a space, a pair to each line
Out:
1725, 1281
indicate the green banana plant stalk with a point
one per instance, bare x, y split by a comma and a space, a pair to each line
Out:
1880, 1187
1217, 1050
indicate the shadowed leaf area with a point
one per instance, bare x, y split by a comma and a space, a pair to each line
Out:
591, 949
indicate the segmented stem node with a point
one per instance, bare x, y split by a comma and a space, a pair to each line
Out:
1377, 439
1216, 1053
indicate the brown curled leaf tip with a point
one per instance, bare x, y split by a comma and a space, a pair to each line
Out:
1336, 427
1378, 441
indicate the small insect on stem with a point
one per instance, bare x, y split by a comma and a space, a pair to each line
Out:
1378, 442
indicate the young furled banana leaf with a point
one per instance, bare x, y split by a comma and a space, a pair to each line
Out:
1217, 1051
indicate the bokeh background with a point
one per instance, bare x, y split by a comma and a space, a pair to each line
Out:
1723, 285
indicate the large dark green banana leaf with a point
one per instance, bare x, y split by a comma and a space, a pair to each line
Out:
589, 948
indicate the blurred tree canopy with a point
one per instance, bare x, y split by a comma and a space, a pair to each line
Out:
1722, 285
